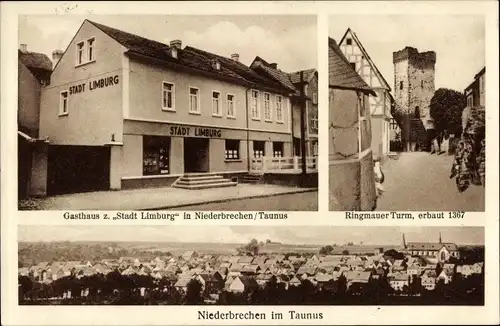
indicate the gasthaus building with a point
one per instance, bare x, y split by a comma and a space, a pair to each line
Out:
122, 111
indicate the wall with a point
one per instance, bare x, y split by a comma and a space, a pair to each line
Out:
261, 124
368, 195
343, 136
421, 71
344, 187
93, 114
401, 97
145, 99
29, 89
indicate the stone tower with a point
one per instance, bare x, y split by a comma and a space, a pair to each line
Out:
413, 89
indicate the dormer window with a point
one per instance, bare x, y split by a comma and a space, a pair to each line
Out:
174, 53
216, 65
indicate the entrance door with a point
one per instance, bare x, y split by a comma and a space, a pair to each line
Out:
196, 152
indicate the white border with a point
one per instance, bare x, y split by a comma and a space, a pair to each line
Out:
12, 314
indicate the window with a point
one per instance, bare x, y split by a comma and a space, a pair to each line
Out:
232, 149
401, 85
314, 123
156, 155
315, 97
168, 96
469, 101
279, 108
194, 100
277, 149
349, 41
174, 52
422, 83
230, 106
79, 53
259, 149
267, 107
90, 49
353, 65
255, 105
443, 256
361, 103
216, 104
63, 105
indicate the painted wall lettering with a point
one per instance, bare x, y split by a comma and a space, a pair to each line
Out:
195, 132
93, 84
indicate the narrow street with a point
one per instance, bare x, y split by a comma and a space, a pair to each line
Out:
420, 181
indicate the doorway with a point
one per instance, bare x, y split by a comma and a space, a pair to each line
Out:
196, 155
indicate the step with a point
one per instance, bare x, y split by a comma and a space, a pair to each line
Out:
206, 185
208, 177
200, 174
197, 182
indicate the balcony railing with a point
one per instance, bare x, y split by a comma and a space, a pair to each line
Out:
290, 165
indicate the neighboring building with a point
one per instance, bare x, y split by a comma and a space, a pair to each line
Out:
243, 283
310, 79
123, 111
414, 88
428, 280
352, 181
379, 106
475, 94
433, 252
34, 71
399, 281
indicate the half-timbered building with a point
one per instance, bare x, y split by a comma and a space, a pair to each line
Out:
380, 105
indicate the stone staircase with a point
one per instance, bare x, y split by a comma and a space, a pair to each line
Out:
194, 181
251, 178
420, 133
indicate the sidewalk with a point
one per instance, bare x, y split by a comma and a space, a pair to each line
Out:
161, 198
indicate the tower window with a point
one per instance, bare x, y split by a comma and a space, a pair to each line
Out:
400, 85
422, 83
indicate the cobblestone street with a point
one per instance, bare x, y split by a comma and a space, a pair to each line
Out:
420, 181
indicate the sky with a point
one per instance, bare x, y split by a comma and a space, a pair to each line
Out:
295, 235
289, 41
458, 40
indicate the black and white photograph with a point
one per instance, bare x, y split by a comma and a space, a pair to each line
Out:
407, 112
163, 112
234, 265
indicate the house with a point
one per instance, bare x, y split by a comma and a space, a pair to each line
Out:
160, 99
250, 269
245, 260
446, 276
357, 278
475, 94
351, 173
294, 281
413, 269
380, 105
211, 283
34, 71
243, 284
399, 281
182, 283
428, 280
189, 255
263, 279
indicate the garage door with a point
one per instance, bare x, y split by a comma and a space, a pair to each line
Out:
73, 169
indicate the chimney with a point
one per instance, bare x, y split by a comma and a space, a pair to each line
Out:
274, 65
235, 57
23, 48
176, 44
56, 56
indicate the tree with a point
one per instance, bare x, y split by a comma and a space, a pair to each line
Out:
326, 250
268, 241
446, 109
394, 254
250, 249
193, 292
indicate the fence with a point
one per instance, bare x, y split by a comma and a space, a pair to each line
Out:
293, 165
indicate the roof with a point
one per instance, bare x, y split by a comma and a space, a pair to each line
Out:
367, 56
248, 281
295, 76
358, 276
182, 282
431, 246
278, 75
340, 73
399, 277
37, 63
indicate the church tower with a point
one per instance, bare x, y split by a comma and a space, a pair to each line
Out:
440, 242
414, 87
